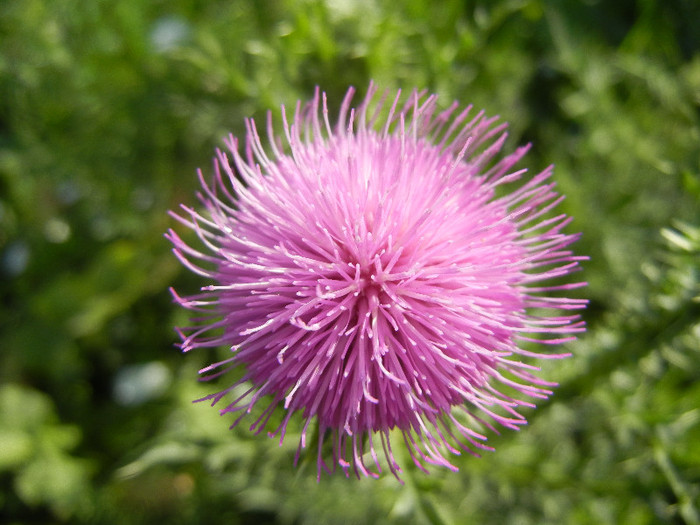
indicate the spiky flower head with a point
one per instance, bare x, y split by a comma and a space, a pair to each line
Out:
380, 276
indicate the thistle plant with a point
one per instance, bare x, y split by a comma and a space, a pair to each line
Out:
388, 274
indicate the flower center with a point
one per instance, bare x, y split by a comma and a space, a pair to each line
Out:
371, 291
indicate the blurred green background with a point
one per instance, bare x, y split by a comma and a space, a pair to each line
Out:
108, 107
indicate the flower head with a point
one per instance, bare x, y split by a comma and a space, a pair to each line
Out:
380, 276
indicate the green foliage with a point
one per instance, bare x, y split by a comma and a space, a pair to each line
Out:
35, 447
107, 108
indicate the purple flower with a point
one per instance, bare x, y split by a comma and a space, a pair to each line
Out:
379, 277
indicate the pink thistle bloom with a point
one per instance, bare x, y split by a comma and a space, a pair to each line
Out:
377, 277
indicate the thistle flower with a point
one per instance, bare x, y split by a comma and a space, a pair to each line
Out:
379, 277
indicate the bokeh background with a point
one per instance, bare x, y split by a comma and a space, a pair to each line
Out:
108, 107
